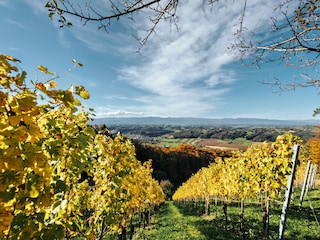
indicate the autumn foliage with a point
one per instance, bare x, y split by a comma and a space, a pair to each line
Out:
259, 172
59, 178
314, 144
262, 168
177, 164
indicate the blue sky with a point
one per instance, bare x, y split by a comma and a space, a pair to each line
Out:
187, 72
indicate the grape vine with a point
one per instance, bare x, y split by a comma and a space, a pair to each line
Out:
260, 172
59, 178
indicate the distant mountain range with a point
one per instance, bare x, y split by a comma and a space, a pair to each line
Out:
202, 121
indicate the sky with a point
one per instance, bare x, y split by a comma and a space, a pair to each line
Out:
181, 72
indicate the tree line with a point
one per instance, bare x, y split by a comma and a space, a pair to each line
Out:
179, 163
154, 133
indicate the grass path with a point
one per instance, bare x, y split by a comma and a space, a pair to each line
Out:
171, 224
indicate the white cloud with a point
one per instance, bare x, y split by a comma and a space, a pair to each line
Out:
87, 34
38, 6
5, 3
99, 41
185, 69
141, 99
62, 39
183, 73
16, 23
113, 112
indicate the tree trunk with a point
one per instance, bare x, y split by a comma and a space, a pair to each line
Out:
242, 219
140, 216
207, 206
266, 218
225, 211
102, 228
131, 228
123, 234
146, 215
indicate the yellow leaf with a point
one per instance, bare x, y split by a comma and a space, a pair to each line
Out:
84, 94
14, 120
53, 84
41, 86
76, 62
76, 102
34, 193
11, 58
44, 70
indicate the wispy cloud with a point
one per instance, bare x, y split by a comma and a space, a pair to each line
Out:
62, 39
99, 40
186, 70
88, 35
111, 111
181, 73
16, 23
128, 98
5, 3
38, 6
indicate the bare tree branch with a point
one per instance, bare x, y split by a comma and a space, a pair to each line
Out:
295, 42
159, 9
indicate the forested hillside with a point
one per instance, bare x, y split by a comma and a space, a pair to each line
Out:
179, 163
255, 133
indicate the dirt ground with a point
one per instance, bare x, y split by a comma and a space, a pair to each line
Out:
215, 144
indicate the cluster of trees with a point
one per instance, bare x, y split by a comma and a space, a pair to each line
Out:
314, 146
150, 131
177, 164
59, 178
254, 134
258, 173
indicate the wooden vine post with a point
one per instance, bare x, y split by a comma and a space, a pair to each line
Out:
304, 183
314, 176
288, 192
309, 179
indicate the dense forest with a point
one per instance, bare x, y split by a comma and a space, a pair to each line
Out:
179, 163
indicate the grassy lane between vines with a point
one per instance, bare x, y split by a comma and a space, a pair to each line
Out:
169, 223
185, 222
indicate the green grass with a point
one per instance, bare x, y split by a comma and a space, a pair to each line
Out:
173, 142
242, 141
186, 222
169, 142
170, 224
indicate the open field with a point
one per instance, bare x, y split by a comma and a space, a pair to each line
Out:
173, 142
238, 143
